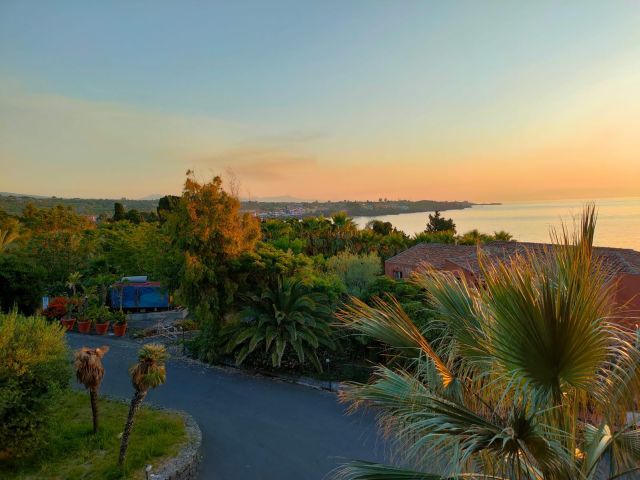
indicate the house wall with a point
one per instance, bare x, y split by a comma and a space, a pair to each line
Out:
391, 267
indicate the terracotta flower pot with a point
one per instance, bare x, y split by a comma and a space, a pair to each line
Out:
119, 329
102, 328
84, 327
68, 323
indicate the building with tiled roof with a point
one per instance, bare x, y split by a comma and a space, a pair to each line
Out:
622, 265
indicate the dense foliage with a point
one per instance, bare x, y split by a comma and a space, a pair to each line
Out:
288, 317
34, 370
528, 379
210, 255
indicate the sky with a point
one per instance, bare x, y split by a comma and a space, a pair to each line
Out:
328, 100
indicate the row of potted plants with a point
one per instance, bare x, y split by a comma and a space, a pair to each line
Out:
69, 310
101, 318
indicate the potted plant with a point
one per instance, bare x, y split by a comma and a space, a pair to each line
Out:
102, 320
86, 318
69, 318
119, 319
57, 310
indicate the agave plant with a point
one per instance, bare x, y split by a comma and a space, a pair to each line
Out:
89, 372
530, 377
148, 373
287, 316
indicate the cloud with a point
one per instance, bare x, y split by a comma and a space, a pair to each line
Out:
260, 163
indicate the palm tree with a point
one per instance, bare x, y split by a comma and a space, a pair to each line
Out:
73, 280
148, 373
89, 372
7, 237
502, 236
529, 378
287, 316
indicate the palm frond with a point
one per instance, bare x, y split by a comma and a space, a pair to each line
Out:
360, 470
387, 322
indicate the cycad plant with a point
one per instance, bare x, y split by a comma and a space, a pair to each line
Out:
288, 316
89, 372
529, 378
148, 373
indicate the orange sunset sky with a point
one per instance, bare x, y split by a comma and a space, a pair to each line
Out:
483, 101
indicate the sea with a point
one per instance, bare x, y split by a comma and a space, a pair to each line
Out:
618, 223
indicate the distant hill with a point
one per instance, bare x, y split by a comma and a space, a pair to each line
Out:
15, 203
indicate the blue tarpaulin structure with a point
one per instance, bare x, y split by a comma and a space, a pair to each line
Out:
138, 294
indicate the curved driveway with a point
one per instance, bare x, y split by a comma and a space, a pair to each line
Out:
252, 428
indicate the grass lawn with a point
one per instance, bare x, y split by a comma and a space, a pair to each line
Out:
73, 452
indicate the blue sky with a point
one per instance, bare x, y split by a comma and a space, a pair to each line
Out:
326, 99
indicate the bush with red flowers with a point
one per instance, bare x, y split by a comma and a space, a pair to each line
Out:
58, 307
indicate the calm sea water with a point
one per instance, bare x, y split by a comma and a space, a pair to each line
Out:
618, 220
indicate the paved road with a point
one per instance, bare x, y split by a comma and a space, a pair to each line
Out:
252, 428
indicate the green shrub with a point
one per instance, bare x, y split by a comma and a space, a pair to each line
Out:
34, 369
356, 271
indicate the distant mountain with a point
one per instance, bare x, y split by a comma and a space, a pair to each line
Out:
9, 194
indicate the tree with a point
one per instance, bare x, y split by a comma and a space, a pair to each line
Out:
34, 370
380, 227
286, 317
437, 223
134, 216
356, 271
473, 237
166, 205
21, 282
148, 373
89, 372
502, 236
209, 229
528, 380
118, 212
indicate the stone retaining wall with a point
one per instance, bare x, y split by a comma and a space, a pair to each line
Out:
185, 465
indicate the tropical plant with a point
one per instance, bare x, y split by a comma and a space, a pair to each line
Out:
118, 317
148, 373
7, 237
73, 281
530, 379
503, 236
89, 372
96, 314
288, 316
34, 370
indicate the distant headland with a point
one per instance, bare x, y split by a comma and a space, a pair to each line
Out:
15, 203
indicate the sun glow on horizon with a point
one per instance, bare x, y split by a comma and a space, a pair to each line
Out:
324, 110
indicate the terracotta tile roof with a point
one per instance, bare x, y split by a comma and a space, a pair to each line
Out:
615, 260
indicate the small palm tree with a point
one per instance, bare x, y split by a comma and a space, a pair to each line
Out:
73, 280
287, 316
89, 372
148, 373
529, 379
